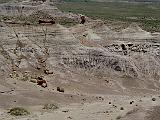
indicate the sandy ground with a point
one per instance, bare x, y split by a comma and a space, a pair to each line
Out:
73, 105
93, 111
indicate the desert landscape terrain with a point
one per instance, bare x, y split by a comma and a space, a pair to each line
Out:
54, 68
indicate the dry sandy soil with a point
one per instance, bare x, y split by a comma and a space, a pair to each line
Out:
106, 75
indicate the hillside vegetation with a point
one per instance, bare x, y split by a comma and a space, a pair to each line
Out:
113, 0
5, 1
145, 14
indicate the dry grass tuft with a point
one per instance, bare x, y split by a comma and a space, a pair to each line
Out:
50, 107
18, 111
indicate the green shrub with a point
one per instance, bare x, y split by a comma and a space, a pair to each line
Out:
18, 111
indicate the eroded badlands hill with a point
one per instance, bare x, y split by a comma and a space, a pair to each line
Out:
99, 70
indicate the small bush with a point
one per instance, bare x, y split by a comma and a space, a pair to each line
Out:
18, 111
50, 107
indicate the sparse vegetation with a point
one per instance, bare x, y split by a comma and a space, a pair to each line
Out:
50, 106
25, 78
146, 15
18, 111
77, 0
67, 22
5, 1
35, 17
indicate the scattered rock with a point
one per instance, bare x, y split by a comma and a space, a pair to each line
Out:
123, 47
121, 108
84, 99
106, 112
65, 111
48, 72
40, 77
60, 89
131, 102
153, 99
100, 98
107, 81
69, 117
114, 106
38, 67
42, 83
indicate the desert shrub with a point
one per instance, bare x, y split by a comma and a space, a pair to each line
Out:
18, 111
50, 106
